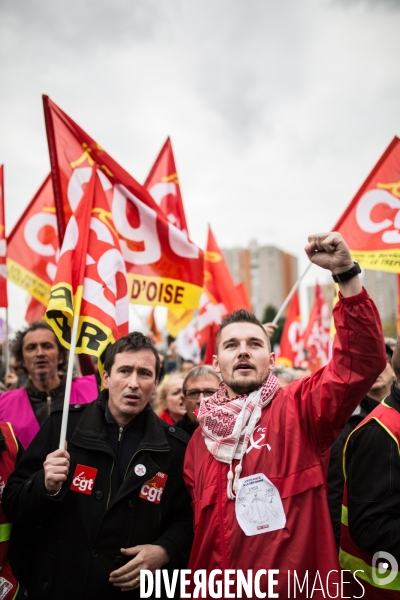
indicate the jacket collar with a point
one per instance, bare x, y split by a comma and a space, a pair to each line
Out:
91, 432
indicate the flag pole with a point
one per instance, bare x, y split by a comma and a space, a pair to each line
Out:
289, 296
68, 382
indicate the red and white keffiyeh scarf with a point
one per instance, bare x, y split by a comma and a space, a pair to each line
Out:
227, 425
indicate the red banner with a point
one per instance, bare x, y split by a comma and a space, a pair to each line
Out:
164, 267
291, 353
33, 246
217, 277
317, 340
3, 245
371, 223
91, 279
163, 185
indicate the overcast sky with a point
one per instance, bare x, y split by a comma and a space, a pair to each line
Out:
277, 111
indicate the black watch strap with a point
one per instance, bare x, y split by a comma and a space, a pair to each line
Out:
346, 275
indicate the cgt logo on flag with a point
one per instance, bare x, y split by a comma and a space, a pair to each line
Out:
83, 480
153, 489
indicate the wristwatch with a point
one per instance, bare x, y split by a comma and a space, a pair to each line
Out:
346, 275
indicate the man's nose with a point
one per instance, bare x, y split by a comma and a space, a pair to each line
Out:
243, 349
133, 381
39, 350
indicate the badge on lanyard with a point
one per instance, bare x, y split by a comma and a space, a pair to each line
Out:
153, 489
83, 479
259, 507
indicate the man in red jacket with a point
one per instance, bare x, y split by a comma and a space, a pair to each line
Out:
254, 467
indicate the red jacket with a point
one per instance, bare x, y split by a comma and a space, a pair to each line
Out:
288, 446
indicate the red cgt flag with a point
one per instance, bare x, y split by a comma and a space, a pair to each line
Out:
163, 185
91, 279
3, 245
164, 267
317, 340
291, 353
33, 246
371, 223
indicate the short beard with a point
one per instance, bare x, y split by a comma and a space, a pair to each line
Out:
244, 387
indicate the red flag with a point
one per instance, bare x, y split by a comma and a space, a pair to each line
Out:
316, 336
217, 278
3, 245
371, 223
33, 246
291, 353
211, 344
163, 185
91, 277
242, 296
164, 267
34, 311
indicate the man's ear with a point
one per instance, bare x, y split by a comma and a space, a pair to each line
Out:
104, 379
215, 364
272, 359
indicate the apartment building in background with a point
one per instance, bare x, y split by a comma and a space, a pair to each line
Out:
256, 267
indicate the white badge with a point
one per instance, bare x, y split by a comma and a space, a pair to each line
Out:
259, 506
140, 470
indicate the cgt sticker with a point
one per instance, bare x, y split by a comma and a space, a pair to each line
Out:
83, 480
153, 489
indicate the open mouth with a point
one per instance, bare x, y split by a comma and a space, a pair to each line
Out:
244, 367
132, 397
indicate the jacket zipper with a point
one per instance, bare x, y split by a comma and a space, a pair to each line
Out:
48, 405
120, 432
109, 491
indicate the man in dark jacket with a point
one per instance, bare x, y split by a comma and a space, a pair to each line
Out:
379, 391
371, 517
115, 502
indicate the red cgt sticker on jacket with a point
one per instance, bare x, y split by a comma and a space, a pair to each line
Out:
153, 489
83, 480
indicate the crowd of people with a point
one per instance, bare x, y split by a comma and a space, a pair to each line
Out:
233, 467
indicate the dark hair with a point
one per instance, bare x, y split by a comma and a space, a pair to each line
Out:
132, 342
240, 316
18, 342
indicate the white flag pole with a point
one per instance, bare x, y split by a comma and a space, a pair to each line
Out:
68, 382
289, 296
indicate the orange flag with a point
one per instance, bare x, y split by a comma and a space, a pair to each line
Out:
164, 267
371, 223
317, 340
163, 185
291, 352
91, 278
33, 246
3, 245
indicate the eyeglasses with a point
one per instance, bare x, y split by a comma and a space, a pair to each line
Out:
195, 394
